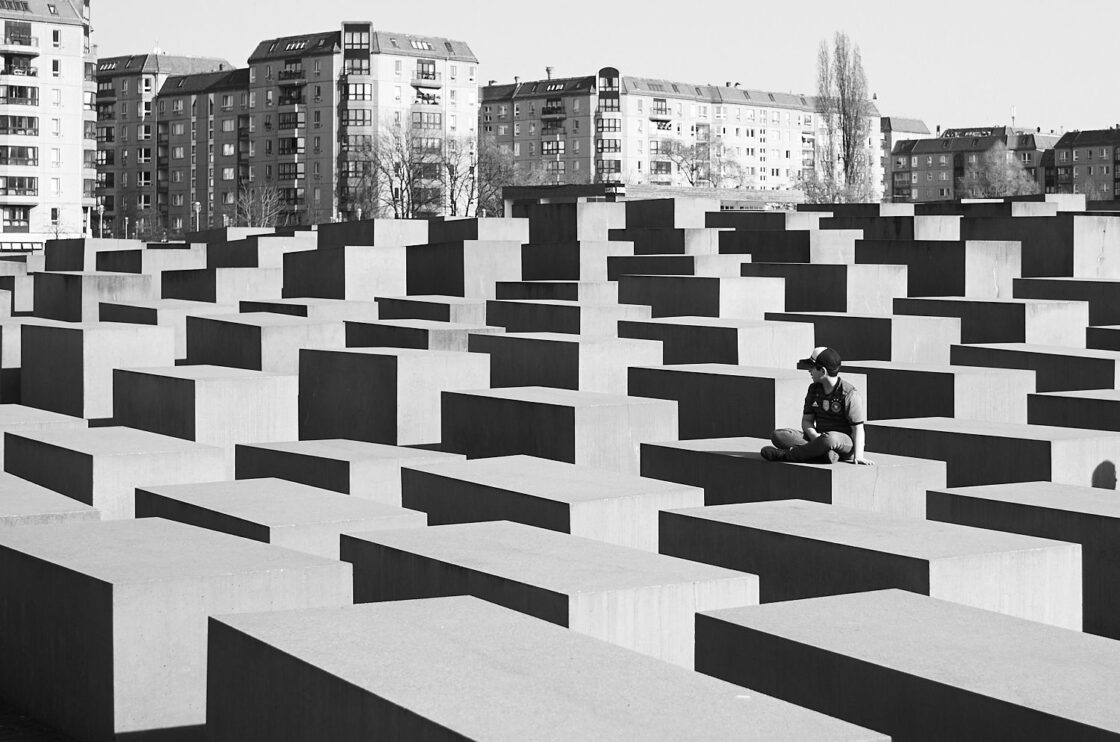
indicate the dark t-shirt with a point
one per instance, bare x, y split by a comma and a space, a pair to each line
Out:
835, 412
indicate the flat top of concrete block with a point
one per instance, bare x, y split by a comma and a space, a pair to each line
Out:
278, 502
1104, 395
1048, 350
204, 373
857, 315
107, 275
928, 369
309, 302
552, 480
863, 529
988, 300
17, 414
529, 679
631, 308
1022, 431
563, 337
727, 369
116, 327
1049, 495
736, 323
18, 497
421, 354
176, 304
271, 319
1071, 279
341, 449
1025, 663
426, 324
436, 299
562, 397
150, 549
556, 561
750, 447
1106, 327
114, 441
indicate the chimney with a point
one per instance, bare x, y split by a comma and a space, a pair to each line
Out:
548, 72
727, 84
516, 80
492, 83
939, 130
736, 84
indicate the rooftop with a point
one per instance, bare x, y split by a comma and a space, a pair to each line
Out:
205, 82
135, 64
1090, 138
41, 11
381, 42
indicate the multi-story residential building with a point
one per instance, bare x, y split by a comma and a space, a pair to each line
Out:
949, 166
610, 127
127, 144
46, 126
1086, 162
897, 129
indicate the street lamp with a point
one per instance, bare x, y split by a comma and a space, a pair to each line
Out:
197, 209
126, 227
101, 220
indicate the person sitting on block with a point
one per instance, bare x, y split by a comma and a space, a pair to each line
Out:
831, 420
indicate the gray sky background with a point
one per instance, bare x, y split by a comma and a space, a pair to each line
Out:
952, 62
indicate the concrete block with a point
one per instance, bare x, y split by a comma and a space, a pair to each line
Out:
164, 312
273, 511
371, 667
68, 368
1103, 338
11, 360
346, 272
368, 470
1097, 409
588, 292
488, 228
424, 334
730, 470
918, 668
16, 418
716, 400
324, 310
973, 268
1035, 321
80, 254
1102, 295
867, 289
731, 340
702, 296
1057, 368
439, 308
1080, 515
802, 549
372, 232
74, 297
896, 390
223, 285
259, 251
467, 267
262, 341
135, 662
982, 452
584, 260
102, 466
586, 428
381, 395
213, 405
581, 220
882, 337
677, 211
636, 599
716, 266
23, 503
590, 320
590, 364
152, 259
592, 503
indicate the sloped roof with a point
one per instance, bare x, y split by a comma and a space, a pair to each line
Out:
1090, 138
308, 44
136, 64
539, 88
388, 42
910, 126
39, 11
206, 82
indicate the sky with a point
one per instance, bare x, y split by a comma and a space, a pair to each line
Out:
950, 63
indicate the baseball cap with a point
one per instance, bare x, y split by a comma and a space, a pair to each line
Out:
828, 358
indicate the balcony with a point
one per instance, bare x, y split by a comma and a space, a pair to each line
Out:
19, 44
25, 131
19, 100
427, 79
21, 161
426, 101
660, 114
292, 77
20, 71
553, 113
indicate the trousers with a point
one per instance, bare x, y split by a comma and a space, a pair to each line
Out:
802, 449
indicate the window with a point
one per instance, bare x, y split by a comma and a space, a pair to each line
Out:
397, 68
227, 173
609, 105
290, 170
553, 147
143, 155
357, 117
177, 153
227, 149
422, 120
607, 125
608, 145
359, 91
230, 124
659, 167
356, 65
268, 98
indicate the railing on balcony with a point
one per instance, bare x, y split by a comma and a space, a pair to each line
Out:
552, 111
291, 74
20, 71
20, 40
19, 100
19, 191
424, 78
32, 161
25, 131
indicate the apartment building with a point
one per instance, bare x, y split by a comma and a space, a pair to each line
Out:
897, 129
610, 127
947, 167
46, 122
1086, 162
127, 144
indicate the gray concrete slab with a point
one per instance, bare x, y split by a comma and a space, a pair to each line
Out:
588, 292
455, 309
368, 470
1098, 409
581, 500
316, 309
574, 318
274, 511
633, 598
16, 418
704, 296
261, 341
23, 503
918, 668
423, 334
399, 665
1057, 368
135, 662
987, 320
802, 549
881, 337
731, 471
821, 287
165, 312
724, 340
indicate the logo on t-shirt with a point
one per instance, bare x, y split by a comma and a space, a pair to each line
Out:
836, 406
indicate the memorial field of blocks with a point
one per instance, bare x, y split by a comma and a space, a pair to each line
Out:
500, 478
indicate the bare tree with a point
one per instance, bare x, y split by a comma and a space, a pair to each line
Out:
692, 161
459, 165
843, 157
497, 168
727, 171
999, 174
257, 206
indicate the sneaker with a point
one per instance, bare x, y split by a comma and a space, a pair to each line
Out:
832, 457
770, 453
